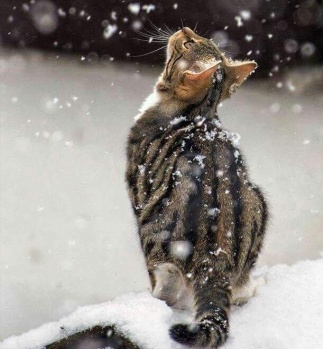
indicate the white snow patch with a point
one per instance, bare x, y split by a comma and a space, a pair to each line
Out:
177, 120
199, 159
142, 169
212, 212
285, 313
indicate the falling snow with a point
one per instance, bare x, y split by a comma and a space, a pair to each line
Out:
181, 249
65, 147
149, 8
238, 19
109, 31
134, 8
245, 15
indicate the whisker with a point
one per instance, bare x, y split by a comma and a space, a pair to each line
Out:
144, 33
206, 33
150, 35
166, 28
169, 30
146, 54
159, 30
195, 26
152, 41
154, 35
162, 35
158, 33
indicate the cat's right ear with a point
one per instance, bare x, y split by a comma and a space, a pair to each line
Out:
236, 72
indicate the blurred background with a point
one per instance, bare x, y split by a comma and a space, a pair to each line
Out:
73, 74
275, 32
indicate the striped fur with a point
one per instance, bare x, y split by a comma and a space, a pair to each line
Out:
201, 221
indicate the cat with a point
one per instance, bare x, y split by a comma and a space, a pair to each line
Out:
201, 221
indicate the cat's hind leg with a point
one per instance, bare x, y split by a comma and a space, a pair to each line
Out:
241, 294
169, 284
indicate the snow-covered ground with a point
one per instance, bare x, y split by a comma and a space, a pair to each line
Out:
285, 313
67, 233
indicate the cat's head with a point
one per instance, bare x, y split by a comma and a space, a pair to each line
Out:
191, 63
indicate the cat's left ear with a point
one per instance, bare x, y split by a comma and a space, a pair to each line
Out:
196, 81
236, 73
201, 77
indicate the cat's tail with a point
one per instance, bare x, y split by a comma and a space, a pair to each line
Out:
211, 327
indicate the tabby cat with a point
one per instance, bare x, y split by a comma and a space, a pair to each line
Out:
201, 221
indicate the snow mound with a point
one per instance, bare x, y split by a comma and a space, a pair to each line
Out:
287, 312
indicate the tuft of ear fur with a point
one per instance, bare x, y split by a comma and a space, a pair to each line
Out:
236, 73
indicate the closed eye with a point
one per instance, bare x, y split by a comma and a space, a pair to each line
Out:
188, 44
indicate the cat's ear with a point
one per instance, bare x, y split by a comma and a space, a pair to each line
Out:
236, 73
195, 81
202, 77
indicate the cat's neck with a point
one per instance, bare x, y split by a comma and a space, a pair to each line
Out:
170, 107
162, 104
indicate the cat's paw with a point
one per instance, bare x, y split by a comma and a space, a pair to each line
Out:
241, 295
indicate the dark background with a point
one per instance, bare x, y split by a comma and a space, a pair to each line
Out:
276, 33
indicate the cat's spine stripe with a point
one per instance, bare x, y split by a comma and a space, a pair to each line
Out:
225, 216
212, 183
